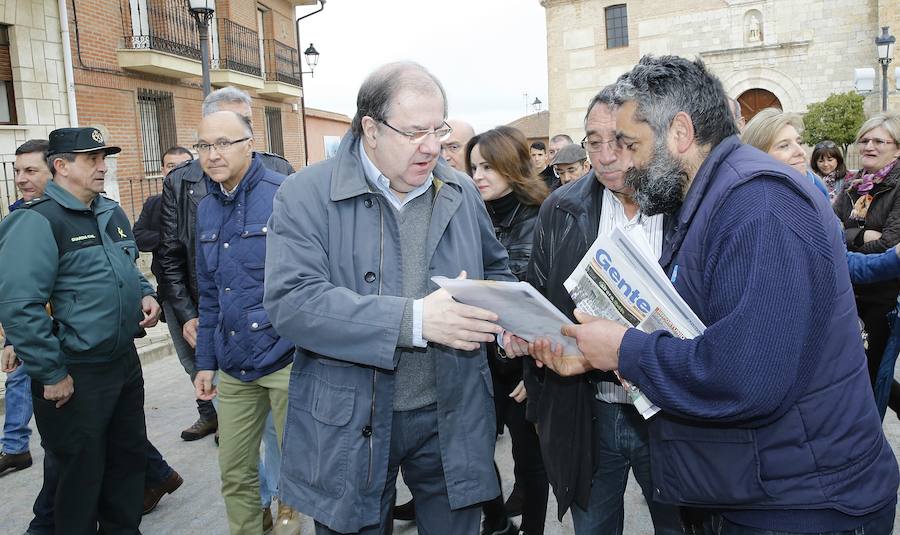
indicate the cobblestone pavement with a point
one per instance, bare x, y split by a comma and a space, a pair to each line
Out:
197, 507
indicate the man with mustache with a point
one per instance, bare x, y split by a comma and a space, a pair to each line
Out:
766, 423
389, 370
591, 434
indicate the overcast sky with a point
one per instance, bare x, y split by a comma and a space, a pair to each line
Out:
487, 53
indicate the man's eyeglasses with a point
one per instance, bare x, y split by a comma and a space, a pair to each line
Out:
419, 136
221, 146
864, 142
592, 145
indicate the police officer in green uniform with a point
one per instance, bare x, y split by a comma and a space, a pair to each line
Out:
74, 248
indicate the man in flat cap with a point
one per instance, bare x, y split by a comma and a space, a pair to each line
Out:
74, 248
570, 163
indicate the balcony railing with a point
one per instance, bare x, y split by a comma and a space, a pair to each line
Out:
281, 62
238, 48
164, 25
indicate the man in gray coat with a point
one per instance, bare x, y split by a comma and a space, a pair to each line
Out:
389, 371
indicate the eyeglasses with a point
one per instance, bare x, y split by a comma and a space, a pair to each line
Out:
825, 145
597, 145
864, 142
221, 146
418, 136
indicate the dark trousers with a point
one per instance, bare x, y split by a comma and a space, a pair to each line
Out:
99, 440
700, 522
42, 524
528, 463
416, 449
875, 318
158, 470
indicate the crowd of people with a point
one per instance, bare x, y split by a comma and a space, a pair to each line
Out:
325, 360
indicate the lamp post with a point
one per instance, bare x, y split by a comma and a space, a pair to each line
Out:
312, 59
536, 105
315, 56
884, 43
203, 10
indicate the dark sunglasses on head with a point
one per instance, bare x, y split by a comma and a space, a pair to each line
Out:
825, 145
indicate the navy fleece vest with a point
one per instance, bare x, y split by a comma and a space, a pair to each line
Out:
826, 450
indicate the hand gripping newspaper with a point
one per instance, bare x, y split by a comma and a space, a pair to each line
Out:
620, 279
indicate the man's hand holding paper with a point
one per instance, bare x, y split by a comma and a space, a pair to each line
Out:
598, 340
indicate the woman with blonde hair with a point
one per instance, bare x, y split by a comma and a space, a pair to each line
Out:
778, 133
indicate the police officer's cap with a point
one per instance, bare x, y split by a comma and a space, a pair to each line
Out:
77, 140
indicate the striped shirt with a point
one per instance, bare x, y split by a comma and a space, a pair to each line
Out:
612, 215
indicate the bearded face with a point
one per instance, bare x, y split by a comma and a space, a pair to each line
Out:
659, 184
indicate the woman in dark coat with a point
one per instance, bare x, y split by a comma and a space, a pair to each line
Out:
500, 164
869, 208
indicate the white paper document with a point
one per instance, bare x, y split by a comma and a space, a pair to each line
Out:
620, 279
521, 308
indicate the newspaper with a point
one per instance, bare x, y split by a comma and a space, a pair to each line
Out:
521, 308
619, 278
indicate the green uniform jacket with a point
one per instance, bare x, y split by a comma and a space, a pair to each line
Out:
83, 262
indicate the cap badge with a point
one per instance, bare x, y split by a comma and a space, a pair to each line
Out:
97, 136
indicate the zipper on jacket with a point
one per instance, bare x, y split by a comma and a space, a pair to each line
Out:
374, 370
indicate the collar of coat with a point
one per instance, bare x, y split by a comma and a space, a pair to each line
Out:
348, 178
67, 200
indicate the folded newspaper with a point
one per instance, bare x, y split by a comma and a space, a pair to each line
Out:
521, 308
619, 278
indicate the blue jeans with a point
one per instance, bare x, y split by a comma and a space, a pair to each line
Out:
620, 439
269, 463
16, 432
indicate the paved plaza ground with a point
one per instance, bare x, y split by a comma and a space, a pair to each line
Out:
197, 507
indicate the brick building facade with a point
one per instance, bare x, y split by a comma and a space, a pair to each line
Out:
33, 99
787, 53
137, 78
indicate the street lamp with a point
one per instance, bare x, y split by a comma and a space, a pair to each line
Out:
884, 43
203, 10
536, 105
312, 59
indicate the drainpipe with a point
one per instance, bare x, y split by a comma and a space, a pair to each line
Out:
302, 89
67, 62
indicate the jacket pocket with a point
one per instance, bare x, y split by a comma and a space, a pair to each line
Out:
321, 456
253, 240
210, 246
261, 334
705, 465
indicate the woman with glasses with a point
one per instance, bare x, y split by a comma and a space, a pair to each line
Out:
778, 134
870, 210
500, 163
828, 162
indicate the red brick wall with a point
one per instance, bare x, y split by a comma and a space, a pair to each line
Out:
107, 96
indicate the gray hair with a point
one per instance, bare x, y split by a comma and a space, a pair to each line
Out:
227, 94
606, 96
561, 137
663, 86
377, 90
67, 156
889, 120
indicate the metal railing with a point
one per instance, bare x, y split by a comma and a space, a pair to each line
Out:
8, 192
238, 48
281, 62
133, 192
164, 25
